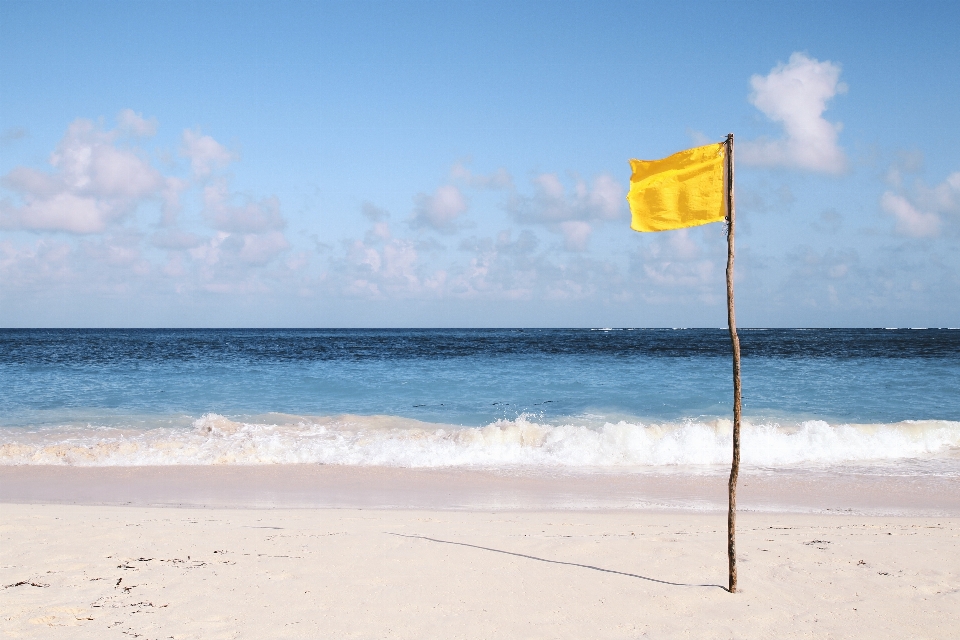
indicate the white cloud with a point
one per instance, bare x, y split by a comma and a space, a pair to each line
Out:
945, 197
170, 194
675, 260
88, 161
907, 162
250, 232
795, 95
679, 274
34, 266
121, 250
551, 204
500, 267
261, 249
62, 212
507, 266
439, 211
910, 221
93, 183
391, 270
96, 179
570, 214
675, 266
247, 217
208, 253
205, 153
135, 124
921, 213
378, 231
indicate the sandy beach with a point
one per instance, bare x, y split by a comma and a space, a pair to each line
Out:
479, 320
435, 569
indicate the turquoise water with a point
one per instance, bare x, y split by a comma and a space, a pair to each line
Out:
438, 397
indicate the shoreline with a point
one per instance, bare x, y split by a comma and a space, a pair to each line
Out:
469, 489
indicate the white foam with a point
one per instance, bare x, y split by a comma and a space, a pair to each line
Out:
394, 441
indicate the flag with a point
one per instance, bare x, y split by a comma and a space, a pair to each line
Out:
684, 190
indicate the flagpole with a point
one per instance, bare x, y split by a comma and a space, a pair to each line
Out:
735, 343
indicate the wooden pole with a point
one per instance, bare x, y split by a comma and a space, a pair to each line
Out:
735, 343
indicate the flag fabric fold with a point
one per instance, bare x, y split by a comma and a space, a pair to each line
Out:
682, 190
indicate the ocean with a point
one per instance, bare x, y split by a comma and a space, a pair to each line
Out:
881, 401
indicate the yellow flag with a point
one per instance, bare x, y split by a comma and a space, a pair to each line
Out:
684, 190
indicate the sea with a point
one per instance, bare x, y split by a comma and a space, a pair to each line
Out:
539, 400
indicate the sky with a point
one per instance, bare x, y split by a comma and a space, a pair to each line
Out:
465, 164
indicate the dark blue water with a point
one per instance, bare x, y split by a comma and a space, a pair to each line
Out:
472, 377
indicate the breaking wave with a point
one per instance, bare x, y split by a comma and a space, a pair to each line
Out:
523, 442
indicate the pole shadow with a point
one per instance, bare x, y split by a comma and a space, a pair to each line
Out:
569, 564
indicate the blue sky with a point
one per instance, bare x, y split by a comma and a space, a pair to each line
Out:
465, 164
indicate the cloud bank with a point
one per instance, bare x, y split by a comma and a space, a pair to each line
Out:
98, 190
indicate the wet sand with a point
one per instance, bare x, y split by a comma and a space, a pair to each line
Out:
334, 486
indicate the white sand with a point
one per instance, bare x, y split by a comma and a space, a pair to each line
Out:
334, 486
166, 572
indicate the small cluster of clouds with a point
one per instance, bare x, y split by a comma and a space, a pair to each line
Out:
681, 265
505, 266
517, 265
851, 283
795, 95
134, 124
921, 211
99, 180
444, 209
509, 264
94, 183
205, 153
380, 265
34, 265
572, 213
441, 211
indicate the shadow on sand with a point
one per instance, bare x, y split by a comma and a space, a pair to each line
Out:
570, 564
